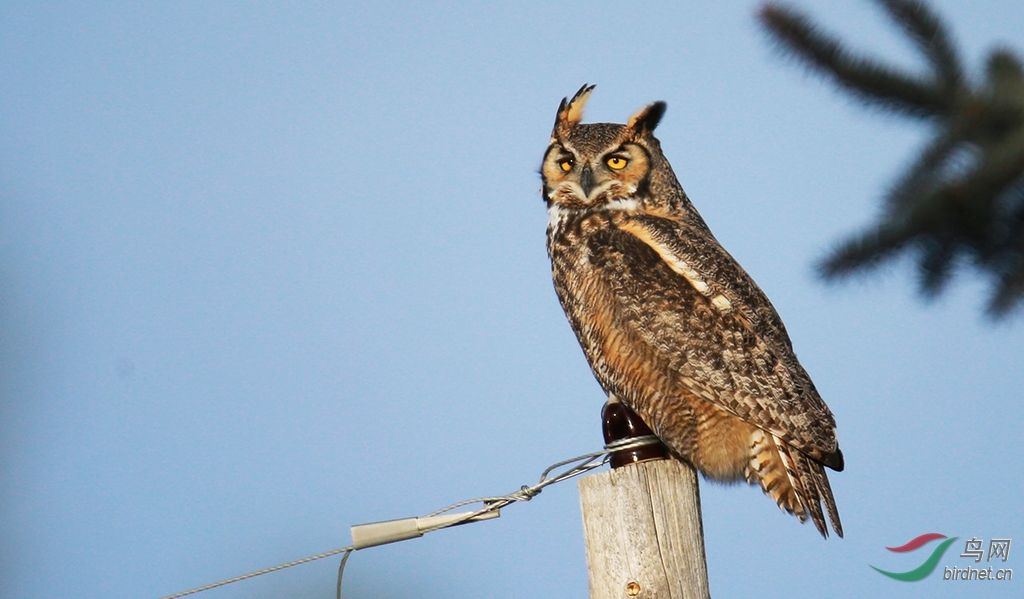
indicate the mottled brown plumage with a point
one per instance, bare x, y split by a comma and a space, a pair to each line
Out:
671, 325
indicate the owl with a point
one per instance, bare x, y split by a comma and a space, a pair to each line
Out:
671, 324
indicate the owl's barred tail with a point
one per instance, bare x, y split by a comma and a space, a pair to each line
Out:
767, 469
813, 488
825, 491
796, 482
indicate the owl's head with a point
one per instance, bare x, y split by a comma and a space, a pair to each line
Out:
598, 165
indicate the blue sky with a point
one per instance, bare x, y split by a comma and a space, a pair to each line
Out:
269, 270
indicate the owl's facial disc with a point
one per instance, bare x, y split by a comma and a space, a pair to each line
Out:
575, 180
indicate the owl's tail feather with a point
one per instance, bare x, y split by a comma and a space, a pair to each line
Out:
812, 487
771, 471
825, 492
797, 483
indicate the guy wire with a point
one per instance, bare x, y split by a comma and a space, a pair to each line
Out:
584, 463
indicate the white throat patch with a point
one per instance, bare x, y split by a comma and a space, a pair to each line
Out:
556, 213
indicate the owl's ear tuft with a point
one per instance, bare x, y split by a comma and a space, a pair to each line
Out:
647, 118
570, 112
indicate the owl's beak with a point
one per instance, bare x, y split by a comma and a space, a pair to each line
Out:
587, 180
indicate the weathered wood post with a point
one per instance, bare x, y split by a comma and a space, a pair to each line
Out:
641, 521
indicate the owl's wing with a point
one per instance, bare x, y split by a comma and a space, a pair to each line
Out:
723, 339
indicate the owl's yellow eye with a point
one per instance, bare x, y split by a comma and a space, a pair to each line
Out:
565, 165
616, 163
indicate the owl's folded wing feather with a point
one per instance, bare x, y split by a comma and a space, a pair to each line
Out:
723, 339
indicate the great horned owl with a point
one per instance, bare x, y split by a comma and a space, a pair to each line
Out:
672, 326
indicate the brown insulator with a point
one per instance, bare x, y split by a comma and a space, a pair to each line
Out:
622, 423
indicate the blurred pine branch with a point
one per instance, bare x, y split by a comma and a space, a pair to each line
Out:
962, 200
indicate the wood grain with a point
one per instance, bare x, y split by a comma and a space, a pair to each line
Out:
643, 532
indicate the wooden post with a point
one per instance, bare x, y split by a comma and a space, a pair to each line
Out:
643, 531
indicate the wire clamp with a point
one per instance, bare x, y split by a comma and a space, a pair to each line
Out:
392, 531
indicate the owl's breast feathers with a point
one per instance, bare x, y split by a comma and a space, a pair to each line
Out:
664, 313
